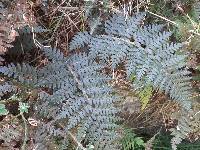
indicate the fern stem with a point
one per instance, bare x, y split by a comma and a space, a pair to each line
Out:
78, 82
78, 143
74, 139
25, 133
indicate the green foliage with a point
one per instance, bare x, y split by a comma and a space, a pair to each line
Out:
130, 141
145, 95
23, 107
162, 141
3, 110
169, 8
188, 28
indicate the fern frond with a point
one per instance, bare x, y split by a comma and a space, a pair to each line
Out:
112, 48
7, 88
147, 53
23, 73
131, 141
145, 95
93, 111
52, 53
81, 95
80, 40
124, 27
181, 132
53, 76
36, 29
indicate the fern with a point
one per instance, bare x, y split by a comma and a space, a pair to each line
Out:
23, 73
80, 98
7, 88
182, 131
131, 141
147, 54
119, 26
80, 94
80, 41
145, 95
10, 131
36, 29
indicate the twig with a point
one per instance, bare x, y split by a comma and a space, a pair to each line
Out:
172, 22
7, 101
71, 21
196, 113
25, 132
69, 8
58, 7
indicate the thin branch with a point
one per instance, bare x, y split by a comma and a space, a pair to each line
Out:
25, 133
137, 6
4, 101
172, 22
69, 8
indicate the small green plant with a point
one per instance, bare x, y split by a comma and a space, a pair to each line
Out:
130, 141
144, 93
23, 107
3, 110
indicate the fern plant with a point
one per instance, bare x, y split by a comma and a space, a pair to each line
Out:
146, 51
131, 141
181, 132
81, 98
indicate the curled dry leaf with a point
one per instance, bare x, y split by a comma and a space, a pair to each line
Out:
33, 122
